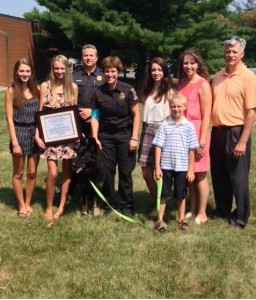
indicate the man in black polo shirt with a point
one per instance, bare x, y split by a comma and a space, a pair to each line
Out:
87, 79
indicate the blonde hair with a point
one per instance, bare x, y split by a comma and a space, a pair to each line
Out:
69, 95
178, 96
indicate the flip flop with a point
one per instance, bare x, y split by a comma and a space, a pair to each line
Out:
58, 214
29, 213
48, 215
22, 214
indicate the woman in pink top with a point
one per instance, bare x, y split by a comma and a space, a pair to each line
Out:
193, 84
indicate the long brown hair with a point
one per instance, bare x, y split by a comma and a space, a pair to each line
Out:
165, 84
18, 95
69, 95
202, 69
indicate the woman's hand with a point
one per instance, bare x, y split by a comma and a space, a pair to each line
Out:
16, 150
40, 143
85, 114
199, 153
133, 145
98, 143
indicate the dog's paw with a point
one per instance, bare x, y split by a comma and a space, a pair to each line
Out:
84, 213
96, 212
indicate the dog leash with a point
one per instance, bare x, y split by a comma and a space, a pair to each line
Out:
159, 185
131, 220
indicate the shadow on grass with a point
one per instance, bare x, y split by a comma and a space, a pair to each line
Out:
8, 199
143, 203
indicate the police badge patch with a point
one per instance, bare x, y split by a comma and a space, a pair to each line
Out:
121, 96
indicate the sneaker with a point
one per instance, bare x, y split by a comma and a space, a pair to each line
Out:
160, 226
183, 225
189, 215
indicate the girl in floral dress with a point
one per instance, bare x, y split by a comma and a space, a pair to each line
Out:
58, 91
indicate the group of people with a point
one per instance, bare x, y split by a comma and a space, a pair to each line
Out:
175, 143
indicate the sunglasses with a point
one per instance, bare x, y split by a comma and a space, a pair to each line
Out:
236, 38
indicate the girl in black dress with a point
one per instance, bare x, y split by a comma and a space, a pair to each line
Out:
21, 104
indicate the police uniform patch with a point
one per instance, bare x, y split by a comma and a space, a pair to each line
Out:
135, 97
121, 96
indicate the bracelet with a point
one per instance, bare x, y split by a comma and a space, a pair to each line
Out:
133, 139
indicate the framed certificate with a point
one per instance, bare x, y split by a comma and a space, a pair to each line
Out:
59, 126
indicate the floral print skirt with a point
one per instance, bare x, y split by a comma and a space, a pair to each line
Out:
59, 152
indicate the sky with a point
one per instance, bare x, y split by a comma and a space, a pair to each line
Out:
17, 8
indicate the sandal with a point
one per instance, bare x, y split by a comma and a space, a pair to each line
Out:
48, 214
183, 225
22, 214
29, 213
58, 214
160, 226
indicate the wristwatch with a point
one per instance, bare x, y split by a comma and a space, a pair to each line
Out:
201, 145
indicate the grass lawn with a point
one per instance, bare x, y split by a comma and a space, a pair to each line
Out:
106, 257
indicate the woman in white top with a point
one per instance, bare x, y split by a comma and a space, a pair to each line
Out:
155, 95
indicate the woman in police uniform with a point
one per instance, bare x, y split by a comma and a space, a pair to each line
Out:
115, 126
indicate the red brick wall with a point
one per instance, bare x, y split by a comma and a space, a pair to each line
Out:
16, 41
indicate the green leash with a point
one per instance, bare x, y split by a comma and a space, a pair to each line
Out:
115, 211
159, 185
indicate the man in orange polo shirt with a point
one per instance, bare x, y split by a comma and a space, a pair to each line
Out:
233, 117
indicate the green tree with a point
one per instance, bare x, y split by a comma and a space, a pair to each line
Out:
138, 29
245, 18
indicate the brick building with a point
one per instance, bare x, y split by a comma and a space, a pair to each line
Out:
16, 41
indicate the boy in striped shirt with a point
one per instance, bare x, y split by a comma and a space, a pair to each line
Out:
175, 142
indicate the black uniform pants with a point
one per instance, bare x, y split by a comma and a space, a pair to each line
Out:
230, 176
115, 147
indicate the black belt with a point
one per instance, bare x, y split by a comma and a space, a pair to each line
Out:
24, 124
222, 127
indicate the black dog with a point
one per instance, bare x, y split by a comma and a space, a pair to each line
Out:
89, 164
